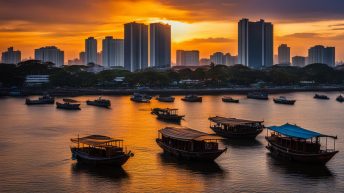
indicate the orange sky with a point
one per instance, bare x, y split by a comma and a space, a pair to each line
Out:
209, 26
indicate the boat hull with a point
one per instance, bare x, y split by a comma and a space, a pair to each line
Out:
113, 161
92, 103
68, 106
199, 156
289, 102
175, 119
192, 100
230, 100
237, 135
166, 100
140, 100
38, 102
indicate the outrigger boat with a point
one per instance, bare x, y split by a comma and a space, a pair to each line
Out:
99, 150
258, 95
169, 115
283, 100
236, 128
68, 106
192, 98
99, 102
340, 98
189, 144
229, 99
294, 143
323, 97
140, 98
46, 99
166, 99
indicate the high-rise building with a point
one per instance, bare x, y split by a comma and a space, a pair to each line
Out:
321, 54
187, 58
230, 60
91, 50
204, 61
82, 58
160, 45
113, 52
99, 58
217, 58
11, 56
255, 43
135, 46
284, 54
299, 61
50, 54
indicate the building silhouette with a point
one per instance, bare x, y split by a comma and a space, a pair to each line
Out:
11, 56
91, 50
284, 54
160, 45
321, 54
113, 52
135, 46
255, 44
187, 58
299, 61
50, 54
82, 58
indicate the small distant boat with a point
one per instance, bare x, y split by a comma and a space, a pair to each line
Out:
68, 106
192, 98
169, 115
99, 102
100, 150
236, 128
186, 143
140, 98
167, 99
70, 101
229, 99
284, 100
297, 144
46, 99
323, 97
340, 98
258, 95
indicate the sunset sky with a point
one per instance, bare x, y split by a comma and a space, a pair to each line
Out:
196, 24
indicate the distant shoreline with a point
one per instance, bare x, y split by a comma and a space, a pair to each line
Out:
169, 91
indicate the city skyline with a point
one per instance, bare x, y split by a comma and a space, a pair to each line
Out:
319, 23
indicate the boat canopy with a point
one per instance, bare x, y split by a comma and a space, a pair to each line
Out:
187, 134
232, 121
95, 140
295, 131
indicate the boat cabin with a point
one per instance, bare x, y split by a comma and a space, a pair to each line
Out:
167, 111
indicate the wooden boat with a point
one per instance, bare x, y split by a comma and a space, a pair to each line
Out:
46, 99
169, 115
236, 128
297, 144
229, 99
192, 98
283, 100
185, 143
140, 98
258, 95
99, 150
99, 102
340, 98
68, 106
322, 97
167, 99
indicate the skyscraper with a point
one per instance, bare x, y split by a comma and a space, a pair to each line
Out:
50, 54
187, 58
113, 52
321, 54
82, 58
217, 58
135, 46
160, 45
91, 50
11, 56
284, 54
299, 61
255, 43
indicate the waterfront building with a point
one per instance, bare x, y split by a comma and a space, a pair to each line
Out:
91, 50
82, 58
321, 54
11, 56
50, 54
187, 58
135, 46
160, 45
113, 52
31, 80
217, 58
284, 54
299, 61
255, 44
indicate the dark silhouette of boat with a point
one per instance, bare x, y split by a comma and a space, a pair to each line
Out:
68, 106
100, 150
46, 99
296, 144
340, 98
192, 98
166, 99
283, 100
99, 102
70, 100
236, 128
322, 97
140, 98
258, 95
169, 115
229, 99
185, 143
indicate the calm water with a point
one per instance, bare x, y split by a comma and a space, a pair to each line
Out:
35, 155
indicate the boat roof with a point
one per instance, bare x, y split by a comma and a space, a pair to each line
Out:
187, 134
232, 121
295, 131
94, 140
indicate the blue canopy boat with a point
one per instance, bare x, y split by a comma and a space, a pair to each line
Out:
294, 143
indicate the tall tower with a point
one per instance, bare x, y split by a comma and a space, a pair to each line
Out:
91, 50
160, 45
284, 54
